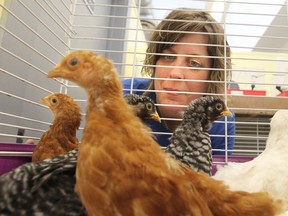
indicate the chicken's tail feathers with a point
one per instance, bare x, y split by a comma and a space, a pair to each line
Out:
222, 201
232, 203
249, 204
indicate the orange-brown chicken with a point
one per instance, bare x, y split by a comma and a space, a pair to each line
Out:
121, 170
61, 136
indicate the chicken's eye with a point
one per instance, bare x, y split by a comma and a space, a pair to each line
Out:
73, 62
149, 106
54, 100
219, 106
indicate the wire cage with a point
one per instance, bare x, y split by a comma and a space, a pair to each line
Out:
35, 35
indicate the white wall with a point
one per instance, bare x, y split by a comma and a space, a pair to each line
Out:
40, 35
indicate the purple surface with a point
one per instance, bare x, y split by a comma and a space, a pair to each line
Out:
17, 147
14, 158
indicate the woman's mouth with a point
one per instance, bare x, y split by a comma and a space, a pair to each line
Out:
172, 92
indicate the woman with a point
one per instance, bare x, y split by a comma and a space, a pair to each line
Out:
188, 57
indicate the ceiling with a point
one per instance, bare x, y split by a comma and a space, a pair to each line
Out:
281, 32
250, 25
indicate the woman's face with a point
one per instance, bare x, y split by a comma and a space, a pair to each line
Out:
171, 67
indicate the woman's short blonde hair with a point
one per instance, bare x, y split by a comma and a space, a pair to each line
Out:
174, 27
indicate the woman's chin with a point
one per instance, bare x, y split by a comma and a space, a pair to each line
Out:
177, 100
171, 111
172, 106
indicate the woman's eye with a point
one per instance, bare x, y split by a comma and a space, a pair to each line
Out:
168, 57
194, 63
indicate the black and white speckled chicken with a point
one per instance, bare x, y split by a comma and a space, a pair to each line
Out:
47, 187
190, 142
42, 188
143, 106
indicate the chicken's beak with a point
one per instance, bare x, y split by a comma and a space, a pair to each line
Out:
57, 72
54, 73
44, 100
155, 117
226, 112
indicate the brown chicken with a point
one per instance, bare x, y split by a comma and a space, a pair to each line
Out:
61, 136
121, 170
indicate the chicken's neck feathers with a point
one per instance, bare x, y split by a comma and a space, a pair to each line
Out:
277, 139
67, 126
194, 123
195, 119
105, 103
112, 109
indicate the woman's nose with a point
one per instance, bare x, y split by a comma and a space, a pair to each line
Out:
176, 72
